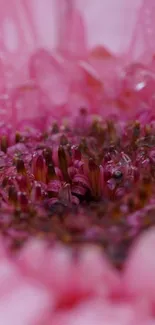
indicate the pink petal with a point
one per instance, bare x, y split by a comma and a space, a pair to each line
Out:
102, 279
49, 73
108, 22
10, 277
32, 259
99, 312
73, 36
140, 267
24, 98
27, 304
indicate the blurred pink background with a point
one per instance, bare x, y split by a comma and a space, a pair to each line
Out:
26, 24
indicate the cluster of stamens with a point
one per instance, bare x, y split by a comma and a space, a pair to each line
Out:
77, 186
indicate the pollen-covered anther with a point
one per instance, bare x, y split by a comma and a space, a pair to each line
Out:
18, 137
47, 153
51, 174
36, 193
39, 168
20, 166
4, 143
95, 180
63, 163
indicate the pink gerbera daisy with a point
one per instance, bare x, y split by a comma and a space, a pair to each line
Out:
77, 165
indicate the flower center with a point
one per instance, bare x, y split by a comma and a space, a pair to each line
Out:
91, 185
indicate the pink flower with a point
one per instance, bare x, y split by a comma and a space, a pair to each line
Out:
77, 175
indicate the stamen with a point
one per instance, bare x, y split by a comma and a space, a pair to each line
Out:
94, 176
63, 164
20, 166
4, 143
39, 168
